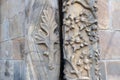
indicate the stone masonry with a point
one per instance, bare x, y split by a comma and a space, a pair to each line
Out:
109, 35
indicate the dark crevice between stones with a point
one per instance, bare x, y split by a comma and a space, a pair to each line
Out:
61, 41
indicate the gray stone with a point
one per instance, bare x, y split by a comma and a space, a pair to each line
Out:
113, 70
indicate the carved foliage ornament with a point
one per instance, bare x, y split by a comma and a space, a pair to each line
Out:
47, 34
46, 40
80, 40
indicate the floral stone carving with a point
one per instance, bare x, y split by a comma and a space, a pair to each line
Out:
81, 52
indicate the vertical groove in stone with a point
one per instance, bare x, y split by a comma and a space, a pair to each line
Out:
80, 40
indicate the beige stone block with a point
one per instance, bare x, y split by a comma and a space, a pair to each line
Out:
13, 49
103, 14
109, 44
18, 48
113, 70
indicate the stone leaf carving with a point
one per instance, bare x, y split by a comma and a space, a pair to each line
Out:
43, 41
47, 34
80, 40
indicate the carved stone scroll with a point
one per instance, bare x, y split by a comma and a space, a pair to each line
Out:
43, 40
80, 44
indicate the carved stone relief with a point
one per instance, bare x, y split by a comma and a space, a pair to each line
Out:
41, 57
43, 41
80, 44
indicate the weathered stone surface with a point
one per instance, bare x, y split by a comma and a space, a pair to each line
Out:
17, 26
103, 70
15, 7
103, 14
40, 71
6, 50
13, 49
18, 48
4, 30
109, 44
12, 70
113, 70
115, 13
20, 71
6, 70
3, 10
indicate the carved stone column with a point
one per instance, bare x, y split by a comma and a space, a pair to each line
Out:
43, 55
81, 52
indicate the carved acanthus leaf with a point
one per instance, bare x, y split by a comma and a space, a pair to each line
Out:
47, 34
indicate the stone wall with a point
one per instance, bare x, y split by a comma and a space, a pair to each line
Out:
109, 34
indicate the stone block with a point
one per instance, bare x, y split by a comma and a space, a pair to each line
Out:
4, 30
115, 13
19, 70
6, 50
12, 70
18, 48
12, 49
109, 44
6, 70
113, 70
17, 26
102, 70
15, 7
3, 10
103, 14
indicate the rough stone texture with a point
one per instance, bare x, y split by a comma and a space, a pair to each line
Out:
113, 70
110, 44
115, 13
103, 14
80, 40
